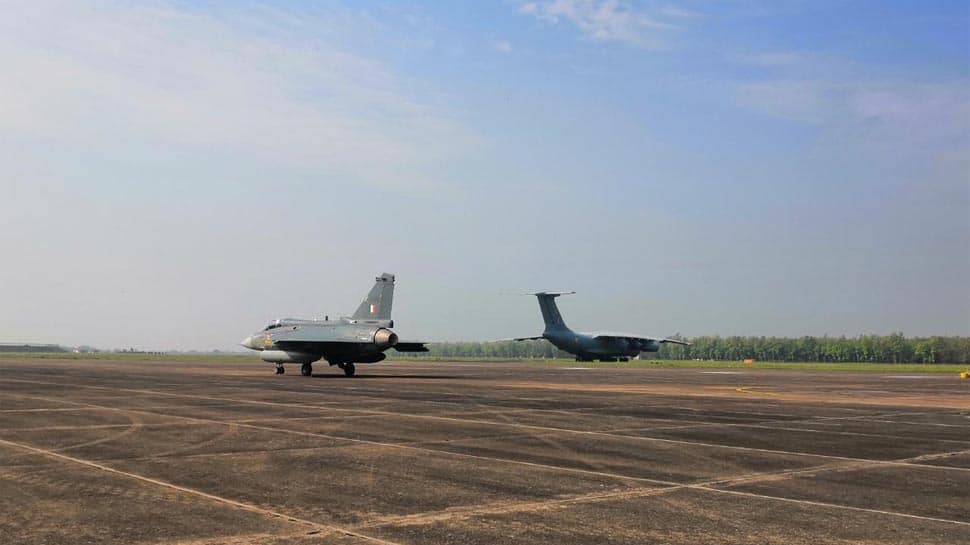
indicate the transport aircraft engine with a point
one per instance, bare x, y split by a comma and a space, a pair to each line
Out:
385, 338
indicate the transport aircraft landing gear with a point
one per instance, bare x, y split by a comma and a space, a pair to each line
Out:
306, 369
280, 369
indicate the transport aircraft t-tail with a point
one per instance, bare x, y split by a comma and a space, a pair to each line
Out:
361, 338
598, 345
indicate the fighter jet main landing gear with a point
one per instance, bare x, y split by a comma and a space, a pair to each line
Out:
348, 367
280, 369
306, 369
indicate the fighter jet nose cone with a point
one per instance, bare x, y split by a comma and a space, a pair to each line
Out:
247, 342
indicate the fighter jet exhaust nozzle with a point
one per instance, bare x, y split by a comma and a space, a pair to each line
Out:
287, 356
385, 338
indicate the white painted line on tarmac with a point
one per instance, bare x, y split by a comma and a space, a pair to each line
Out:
222, 499
831, 505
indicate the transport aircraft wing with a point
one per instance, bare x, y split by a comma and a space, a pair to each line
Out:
628, 336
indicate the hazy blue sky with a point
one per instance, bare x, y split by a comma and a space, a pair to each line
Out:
176, 174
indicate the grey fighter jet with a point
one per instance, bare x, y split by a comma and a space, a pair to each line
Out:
361, 338
599, 345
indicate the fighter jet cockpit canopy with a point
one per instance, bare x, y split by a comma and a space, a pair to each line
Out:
274, 324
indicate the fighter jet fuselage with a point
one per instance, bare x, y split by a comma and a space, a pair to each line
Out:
305, 341
361, 338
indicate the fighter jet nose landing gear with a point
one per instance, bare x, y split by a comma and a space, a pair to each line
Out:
280, 369
306, 369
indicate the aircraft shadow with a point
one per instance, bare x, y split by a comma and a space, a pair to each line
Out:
360, 377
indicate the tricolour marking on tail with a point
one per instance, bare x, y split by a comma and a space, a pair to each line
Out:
377, 304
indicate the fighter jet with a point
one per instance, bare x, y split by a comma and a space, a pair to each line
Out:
600, 345
361, 338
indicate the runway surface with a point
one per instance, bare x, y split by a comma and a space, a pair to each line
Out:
102, 451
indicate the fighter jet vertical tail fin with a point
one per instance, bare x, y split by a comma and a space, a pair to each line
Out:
377, 304
550, 312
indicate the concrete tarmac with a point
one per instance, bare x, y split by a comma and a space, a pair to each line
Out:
189, 452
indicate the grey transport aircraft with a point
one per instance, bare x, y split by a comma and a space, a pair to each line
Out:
361, 338
599, 345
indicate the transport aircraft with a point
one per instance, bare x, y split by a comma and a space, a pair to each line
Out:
599, 345
361, 338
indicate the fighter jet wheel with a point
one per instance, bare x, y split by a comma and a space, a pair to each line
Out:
280, 370
306, 369
349, 369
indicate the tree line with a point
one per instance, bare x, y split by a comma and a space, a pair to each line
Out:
894, 348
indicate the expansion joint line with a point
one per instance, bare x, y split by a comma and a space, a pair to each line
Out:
316, 526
